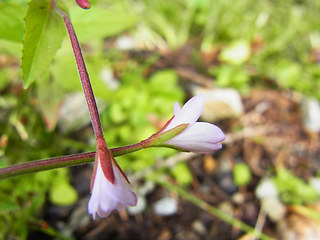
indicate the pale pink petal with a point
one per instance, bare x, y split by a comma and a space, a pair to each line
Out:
197, 147
106, 196
100, 190
189, 113
125, 194
200, 137
202, 131
176, 108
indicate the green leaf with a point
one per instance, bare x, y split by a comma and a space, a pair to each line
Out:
167, 79
292, 189
182, 174
11, 21
61, 192
7, 205
44, 32
241, 174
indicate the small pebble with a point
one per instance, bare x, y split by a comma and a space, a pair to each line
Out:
266, 188
109, 79
226, 183
199, 227
73, 113
220, 103
310, 108
315, 183
125, 43
165, 207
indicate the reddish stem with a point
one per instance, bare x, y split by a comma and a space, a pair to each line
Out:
85, 81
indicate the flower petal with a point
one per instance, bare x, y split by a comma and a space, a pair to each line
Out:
107, 196
201, 137
176, 108
100, 202
189, 113
124, 194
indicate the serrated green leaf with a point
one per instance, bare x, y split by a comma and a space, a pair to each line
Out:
44, 31
11, 21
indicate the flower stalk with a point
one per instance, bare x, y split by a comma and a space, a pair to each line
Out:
81, 158
84, 76
180, 133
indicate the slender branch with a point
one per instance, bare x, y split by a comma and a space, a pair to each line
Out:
156, 140
63, 161
46, 164
85, 81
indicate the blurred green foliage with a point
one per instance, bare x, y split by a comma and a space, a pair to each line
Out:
182, 174
241, 174
278, 38
255, 40
294, 190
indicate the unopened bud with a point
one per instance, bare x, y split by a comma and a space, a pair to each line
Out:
83, 4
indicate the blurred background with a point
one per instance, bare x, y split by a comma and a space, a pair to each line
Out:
256, 62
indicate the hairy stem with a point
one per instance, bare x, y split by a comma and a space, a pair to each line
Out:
85, 81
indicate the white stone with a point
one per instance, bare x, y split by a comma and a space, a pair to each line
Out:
109, 79
266, 188
220, 103
274, 208
315, 183
165, 207
270, 202
310, 109
125, 43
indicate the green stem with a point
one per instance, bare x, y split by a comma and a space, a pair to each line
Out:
207, 207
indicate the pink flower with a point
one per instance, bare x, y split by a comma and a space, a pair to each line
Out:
110, 187
199, 137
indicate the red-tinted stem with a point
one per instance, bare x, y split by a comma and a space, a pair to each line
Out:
85, 81
63, 161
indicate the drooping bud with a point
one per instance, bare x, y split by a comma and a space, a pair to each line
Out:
199, 137
110, 187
